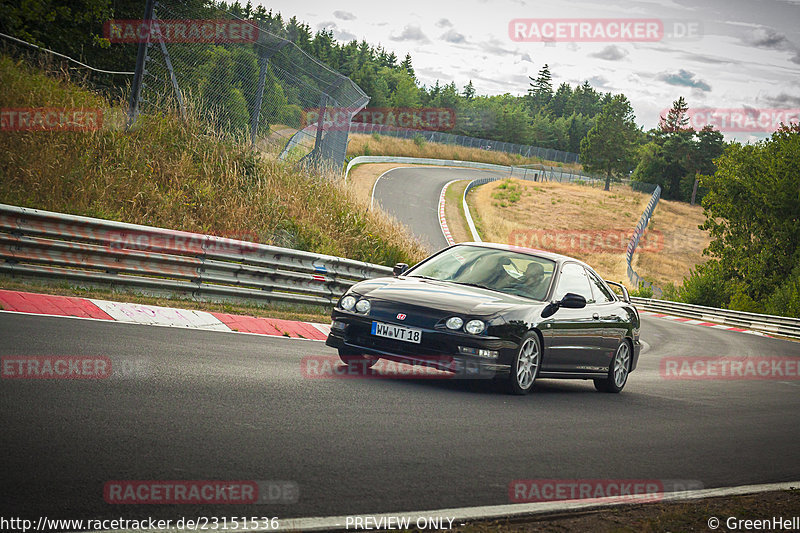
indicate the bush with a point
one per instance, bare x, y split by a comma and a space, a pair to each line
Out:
785, 301
670, 292
642, 291
741, 301
706, 285
419, 140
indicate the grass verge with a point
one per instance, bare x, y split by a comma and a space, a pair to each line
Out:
176, 174
655, 517
592, 225
454, 211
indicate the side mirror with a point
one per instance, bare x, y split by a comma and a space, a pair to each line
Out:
573, 301
399, 269
569, 301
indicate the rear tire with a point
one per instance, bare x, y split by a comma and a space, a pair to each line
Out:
357, 361
525, 368
618, 370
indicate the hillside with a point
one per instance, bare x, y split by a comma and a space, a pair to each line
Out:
591, 225
172, 174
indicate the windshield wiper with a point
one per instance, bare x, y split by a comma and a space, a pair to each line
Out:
475, 285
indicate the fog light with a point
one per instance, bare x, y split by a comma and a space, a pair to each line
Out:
454, 322
338, 325
478, 352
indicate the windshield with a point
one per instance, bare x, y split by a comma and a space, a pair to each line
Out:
499, 270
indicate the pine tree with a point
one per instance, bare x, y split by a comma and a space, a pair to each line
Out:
676, 119
469, 91
406, 65
541, 89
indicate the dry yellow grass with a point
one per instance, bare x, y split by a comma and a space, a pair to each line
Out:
683, 245
361, 144
177, 174
592, 225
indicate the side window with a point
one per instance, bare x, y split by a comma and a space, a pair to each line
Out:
601, 292
573, 279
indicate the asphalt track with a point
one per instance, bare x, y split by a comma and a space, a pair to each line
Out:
206, 405
226, 406
411, 195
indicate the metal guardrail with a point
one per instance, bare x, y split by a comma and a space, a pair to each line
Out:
641, 226
43, 244
778, 325
530, 172
525, 150
467, 214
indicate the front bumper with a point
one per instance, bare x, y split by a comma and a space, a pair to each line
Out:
438, 349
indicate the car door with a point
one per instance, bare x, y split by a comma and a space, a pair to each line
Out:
612, 327
575, 337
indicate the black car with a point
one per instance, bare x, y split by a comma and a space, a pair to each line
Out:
518, 313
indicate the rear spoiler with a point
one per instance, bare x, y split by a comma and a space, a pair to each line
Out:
625, 295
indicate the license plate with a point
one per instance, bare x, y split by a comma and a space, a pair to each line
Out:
401, 333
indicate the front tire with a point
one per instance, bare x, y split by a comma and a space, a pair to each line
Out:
618, 371
525, 367
357, 361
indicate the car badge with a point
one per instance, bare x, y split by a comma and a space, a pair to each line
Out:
401, 316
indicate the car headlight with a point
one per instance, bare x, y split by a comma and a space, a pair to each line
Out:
454, 322
347, 303
475, 327
362, 306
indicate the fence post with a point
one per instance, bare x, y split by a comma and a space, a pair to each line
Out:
172, 77
262, 80
141, 59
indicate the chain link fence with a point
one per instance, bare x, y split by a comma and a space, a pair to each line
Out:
547, 154
258, 87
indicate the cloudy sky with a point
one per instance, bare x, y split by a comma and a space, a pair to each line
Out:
739, 54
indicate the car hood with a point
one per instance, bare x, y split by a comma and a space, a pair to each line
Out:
440, 295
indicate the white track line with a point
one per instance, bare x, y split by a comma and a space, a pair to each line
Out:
442, 219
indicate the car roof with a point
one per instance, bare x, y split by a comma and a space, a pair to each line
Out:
558, 258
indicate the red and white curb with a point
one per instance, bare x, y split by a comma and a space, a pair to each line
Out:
153, 315
442, 219
695, 322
